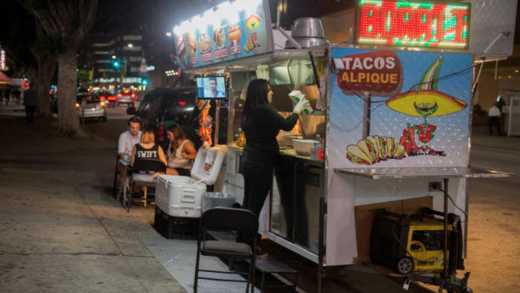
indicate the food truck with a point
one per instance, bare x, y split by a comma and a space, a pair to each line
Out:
391, 112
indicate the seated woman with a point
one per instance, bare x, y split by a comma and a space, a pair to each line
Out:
147, 156
181, 152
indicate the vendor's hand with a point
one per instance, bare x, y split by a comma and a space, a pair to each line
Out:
301, 105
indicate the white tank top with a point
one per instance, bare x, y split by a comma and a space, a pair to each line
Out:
176, 160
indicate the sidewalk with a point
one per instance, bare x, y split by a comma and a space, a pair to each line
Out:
60, 231
13, 109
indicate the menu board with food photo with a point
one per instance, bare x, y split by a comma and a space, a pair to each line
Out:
399, 109
225, 32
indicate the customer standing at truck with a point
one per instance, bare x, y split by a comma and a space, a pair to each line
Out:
261, 123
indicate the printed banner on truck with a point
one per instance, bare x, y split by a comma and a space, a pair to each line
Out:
399, 109
228, 31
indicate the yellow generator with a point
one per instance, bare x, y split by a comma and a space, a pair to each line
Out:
415, 243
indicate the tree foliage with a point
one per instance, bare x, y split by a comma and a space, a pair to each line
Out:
66, 24
66, 21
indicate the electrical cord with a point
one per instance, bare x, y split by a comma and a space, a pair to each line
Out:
454, 204
445, 76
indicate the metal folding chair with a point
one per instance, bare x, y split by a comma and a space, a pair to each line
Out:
241, 221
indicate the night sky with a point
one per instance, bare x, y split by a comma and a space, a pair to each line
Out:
159, 16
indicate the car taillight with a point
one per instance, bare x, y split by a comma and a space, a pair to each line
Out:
182, 103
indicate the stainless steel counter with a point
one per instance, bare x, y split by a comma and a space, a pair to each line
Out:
398, 173
288, 152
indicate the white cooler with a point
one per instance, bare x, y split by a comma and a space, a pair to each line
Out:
179, 196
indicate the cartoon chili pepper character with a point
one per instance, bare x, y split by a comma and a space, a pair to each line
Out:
426, 132
408, 140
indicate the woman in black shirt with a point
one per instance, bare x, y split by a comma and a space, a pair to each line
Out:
261, 124
147, 156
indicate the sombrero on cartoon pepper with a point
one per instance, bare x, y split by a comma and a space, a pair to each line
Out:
425, 100
425, 103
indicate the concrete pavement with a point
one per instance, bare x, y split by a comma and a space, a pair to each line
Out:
494, 215
59, 230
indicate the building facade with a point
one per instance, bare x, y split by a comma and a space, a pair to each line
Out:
114, 57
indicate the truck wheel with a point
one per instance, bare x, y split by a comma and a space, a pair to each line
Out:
405, 265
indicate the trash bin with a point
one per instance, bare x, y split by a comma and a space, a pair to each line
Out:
217, 199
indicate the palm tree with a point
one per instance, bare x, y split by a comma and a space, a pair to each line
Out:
66, 23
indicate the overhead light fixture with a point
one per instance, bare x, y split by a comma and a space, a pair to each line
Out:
130, 45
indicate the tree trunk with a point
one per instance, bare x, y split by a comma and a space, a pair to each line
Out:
68, 120
46, 68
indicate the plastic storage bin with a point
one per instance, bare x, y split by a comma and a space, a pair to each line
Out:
175, 227
179, 196
217, 199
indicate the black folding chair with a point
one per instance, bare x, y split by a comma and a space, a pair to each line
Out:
241, 221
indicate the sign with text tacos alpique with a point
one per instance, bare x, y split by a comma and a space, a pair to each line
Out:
377, 73
422, 120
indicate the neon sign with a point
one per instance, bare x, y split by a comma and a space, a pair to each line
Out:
413, 24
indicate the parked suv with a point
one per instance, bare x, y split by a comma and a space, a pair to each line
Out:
162, 108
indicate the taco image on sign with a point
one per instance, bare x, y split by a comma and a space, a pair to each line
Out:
375, 149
